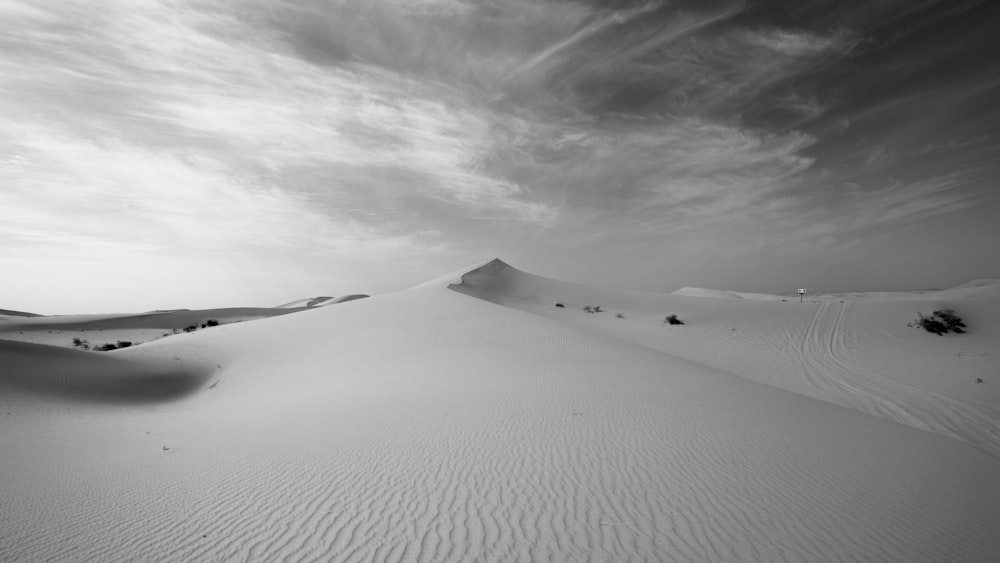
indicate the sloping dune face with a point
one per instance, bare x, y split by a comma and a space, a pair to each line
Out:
346, 298
47, 371
430, 426
8, 313
74, 330
702, 292
858, 354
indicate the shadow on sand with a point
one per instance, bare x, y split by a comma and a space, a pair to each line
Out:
94, 376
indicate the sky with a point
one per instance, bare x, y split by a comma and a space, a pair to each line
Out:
193, 153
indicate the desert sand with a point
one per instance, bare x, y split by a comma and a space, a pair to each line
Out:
472, 419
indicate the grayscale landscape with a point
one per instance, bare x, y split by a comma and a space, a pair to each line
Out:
499, 280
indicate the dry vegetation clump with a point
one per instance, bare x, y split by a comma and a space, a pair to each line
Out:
113, 346
939, 322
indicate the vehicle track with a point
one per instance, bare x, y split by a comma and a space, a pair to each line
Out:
837, 375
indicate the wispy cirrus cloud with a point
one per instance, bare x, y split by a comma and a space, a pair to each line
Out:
64, 188
161, 92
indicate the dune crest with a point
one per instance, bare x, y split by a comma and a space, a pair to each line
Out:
981, 282
305, 302
9, 313
703, 292
346, 298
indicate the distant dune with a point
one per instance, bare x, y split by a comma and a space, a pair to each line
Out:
61, 330
992, 283
471, 418
17, 313
702, 292
346, 298
307, 302
322, 301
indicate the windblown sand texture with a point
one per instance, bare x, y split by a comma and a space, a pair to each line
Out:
469, 419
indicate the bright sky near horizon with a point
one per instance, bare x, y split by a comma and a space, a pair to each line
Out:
189, 153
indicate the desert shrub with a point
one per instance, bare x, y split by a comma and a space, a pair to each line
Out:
124, 343
950, 320
672, 320
930, 324
81, 343
105, 347
560, 305
593, 309
939, 322
191, 328
619, 315
211, 322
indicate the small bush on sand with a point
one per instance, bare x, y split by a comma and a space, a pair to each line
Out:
950, 320
115, 346
672, 320
619, 315
939, 322
191, 328
560, 305
593, 309
81, 343
211, 322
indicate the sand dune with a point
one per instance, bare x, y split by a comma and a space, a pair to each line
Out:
8, 313
429, 425
854, 353
703, 292
306, 302
321, 301
156, 319
60, 330
47, 371
346, 298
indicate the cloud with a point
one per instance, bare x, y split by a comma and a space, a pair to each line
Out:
799, 44
849, 214
389, 128
601, 24
67, 191
190, 125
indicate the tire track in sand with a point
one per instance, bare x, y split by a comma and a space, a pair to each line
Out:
842, 378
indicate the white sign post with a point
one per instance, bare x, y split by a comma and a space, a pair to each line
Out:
802, 292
